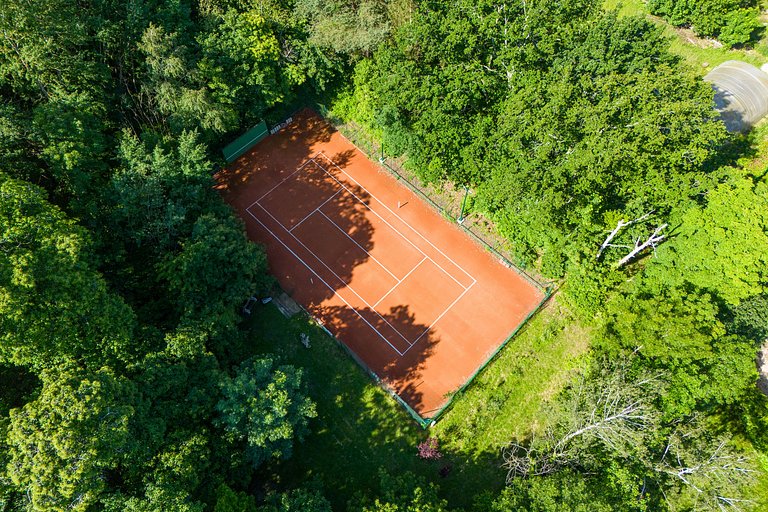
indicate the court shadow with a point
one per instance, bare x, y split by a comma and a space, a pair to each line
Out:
343, 158
399, 366
286, 149
316, 225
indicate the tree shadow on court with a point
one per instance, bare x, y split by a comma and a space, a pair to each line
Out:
401, 373
321, 217
330, 233
343, 158
287, 149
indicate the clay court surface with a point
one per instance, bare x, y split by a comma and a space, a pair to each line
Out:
406, 290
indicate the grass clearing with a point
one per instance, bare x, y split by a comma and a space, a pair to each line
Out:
360, 429
506, 400
701, 55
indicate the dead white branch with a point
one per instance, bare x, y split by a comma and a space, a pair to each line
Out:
655, 238
619, 226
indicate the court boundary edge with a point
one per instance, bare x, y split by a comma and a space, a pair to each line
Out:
423, 422
548, 292
460, 391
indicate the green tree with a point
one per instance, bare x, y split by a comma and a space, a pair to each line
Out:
158, 192
264, 408
346, 27
244, 65
228, 500
64, 442
297, 500
216, 271
175, 88
55, 307
731, 21
69, 129
721, 247
401, 493
45, 49
566, 491
680, 332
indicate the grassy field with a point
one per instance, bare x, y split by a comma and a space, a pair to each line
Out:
702, 55
360, 429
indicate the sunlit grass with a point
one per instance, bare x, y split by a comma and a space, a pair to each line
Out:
700, 55
506, 400
360, 429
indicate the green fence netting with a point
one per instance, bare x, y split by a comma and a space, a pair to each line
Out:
244, 142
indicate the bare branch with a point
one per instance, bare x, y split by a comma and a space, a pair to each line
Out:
619, 226
651, 241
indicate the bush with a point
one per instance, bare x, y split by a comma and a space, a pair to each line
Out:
739, 27
430, 449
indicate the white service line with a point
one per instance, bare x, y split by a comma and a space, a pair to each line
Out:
334, 273
311, 159
400, 281
438, 318
316, 209
323, 281
396, 230
357, 244
393, 213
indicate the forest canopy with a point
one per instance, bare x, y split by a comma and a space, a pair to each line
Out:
130, 379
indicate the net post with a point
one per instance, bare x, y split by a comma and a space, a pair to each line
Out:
463, 203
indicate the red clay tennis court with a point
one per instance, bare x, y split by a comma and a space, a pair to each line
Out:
404, 289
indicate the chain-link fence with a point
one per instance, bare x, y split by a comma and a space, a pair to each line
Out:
445, 198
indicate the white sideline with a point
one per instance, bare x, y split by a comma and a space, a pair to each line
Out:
323, 281
400, 281
395, 229
317, 210
357, 244
335, 274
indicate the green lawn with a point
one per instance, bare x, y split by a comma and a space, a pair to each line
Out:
699, 54
360, 428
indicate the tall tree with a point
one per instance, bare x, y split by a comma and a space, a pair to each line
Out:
63, 444
216, 271
264, 408
55, 307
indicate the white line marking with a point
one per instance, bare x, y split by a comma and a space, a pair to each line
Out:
323, 281
400, 281
334, 273
320, 153
311, 159
316, 209
344, 187
401, 220
438, 318
357, 244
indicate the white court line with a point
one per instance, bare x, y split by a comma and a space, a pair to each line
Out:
357, 244
334, 273
400, 281
438, 318
311, 159
392, 212
395, 229
316, 210
323, 280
